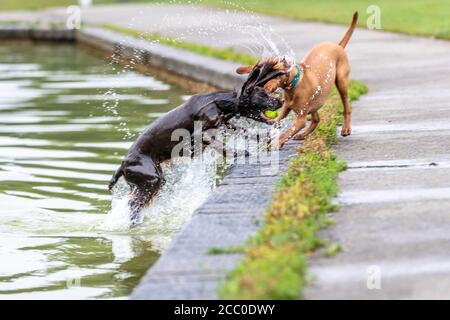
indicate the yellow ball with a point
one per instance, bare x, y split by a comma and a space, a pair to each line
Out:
271, 114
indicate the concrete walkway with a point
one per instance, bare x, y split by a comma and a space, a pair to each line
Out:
394, 223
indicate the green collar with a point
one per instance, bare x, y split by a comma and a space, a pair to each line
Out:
294, 81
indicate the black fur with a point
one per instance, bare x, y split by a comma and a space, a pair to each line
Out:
141, 166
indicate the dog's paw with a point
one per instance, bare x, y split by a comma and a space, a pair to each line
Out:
299, 137
346, 131
274, 145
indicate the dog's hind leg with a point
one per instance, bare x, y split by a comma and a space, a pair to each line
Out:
115, 177
145, 179
342, 74
139, 199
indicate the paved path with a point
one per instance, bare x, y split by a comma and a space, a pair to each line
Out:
395, 197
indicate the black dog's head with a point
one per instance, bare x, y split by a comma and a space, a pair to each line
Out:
255, 102
253, 99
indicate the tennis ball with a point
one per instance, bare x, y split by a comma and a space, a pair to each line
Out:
271, 114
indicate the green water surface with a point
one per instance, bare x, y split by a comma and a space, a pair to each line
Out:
66, 119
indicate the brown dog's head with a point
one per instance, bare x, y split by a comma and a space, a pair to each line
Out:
277, 69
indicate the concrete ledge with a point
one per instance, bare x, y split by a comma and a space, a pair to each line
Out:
218, 73
38, 34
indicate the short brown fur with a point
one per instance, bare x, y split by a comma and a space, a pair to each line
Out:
325, 65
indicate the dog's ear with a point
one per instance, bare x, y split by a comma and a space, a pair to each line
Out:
244, 69
285, 62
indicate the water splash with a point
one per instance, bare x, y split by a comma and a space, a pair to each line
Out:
219, 28
111, 99
188, 183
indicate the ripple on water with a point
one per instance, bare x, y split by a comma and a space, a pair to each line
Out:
58, 148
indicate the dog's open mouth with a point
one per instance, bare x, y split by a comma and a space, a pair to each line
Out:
263, 116
270, 113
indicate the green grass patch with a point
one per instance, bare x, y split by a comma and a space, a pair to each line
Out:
33, 4
332, 250
226, 250
414, 17
219, 53
274, 266
43, 4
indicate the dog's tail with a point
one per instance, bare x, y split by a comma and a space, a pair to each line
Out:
115, 177
349, 32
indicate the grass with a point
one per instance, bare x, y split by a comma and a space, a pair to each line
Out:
42, 4
333, 250
219, 53
274, 266
226, 250
414, 17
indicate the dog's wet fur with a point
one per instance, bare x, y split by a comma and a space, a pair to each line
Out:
325, 65
141, 167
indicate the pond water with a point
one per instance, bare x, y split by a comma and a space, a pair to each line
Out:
66, 119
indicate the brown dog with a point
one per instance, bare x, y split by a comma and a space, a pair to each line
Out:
308, 83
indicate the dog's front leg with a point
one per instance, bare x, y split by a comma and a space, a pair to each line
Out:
283, 114
299, 124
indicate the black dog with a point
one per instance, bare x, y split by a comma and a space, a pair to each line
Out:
141, 166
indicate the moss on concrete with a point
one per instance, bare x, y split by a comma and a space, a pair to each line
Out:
220, 53
332, 250
226, 250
